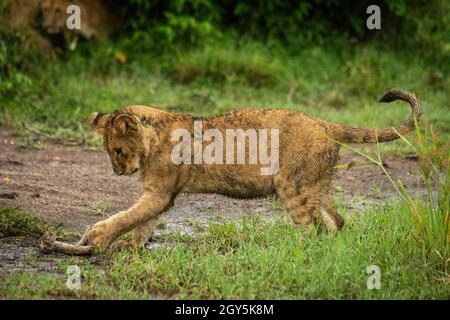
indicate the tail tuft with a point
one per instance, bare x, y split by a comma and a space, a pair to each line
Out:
392, 95
397, 94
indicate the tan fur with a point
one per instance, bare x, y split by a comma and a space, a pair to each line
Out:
97, 19
22, 15
303, 182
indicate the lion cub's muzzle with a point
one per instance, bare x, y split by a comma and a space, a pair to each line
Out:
121, 172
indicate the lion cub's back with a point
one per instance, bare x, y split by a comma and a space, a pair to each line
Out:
252, 118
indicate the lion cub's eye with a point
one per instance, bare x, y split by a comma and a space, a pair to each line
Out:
118, 152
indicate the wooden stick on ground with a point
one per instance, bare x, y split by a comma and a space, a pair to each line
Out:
48, 243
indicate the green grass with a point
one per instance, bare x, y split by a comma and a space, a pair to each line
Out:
17, 223
99, 208
267, 260
337, 85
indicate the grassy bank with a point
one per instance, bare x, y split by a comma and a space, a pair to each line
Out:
255, 259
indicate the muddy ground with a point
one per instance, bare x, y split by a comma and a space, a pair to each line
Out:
74, 187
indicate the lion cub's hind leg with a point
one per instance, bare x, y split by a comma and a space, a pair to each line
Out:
330, 216
311, 206
305, 188
303, 205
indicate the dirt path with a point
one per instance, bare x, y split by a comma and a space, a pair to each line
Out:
59, 184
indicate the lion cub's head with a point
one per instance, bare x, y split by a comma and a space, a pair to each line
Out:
54, 15
125, 139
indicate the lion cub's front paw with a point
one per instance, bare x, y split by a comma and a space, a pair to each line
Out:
99, 235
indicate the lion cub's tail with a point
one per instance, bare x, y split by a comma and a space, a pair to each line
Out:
371, 135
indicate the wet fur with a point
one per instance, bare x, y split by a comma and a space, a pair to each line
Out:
308, 155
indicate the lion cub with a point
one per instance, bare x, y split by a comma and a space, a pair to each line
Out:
141, 139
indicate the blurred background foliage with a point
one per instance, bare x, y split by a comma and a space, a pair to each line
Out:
168, 24
207, 56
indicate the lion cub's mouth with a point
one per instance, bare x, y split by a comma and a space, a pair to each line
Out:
128, 173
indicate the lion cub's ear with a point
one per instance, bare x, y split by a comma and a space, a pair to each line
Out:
97, 120
126, 124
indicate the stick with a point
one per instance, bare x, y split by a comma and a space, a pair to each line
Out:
48, 243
